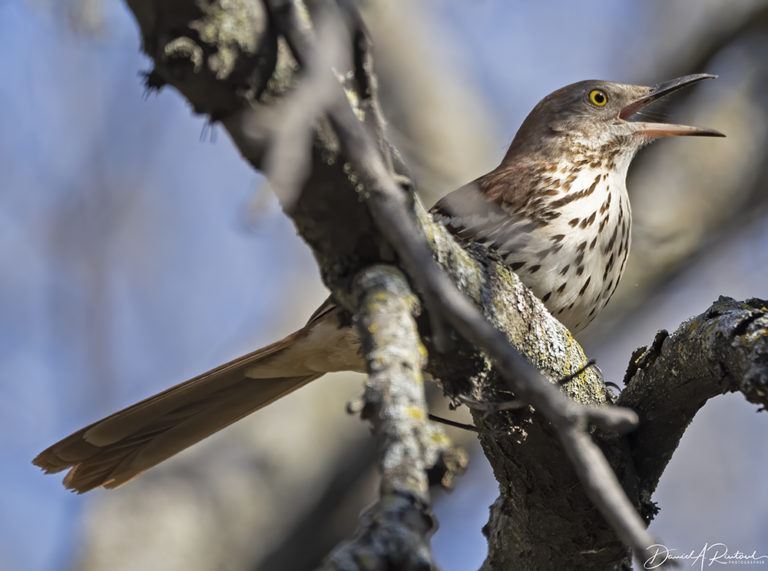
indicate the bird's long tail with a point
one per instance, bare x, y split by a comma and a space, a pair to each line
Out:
114, 450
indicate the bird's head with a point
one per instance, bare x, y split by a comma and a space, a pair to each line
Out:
593, 116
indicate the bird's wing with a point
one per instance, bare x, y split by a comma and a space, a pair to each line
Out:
494, 210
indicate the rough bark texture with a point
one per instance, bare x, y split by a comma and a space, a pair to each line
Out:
228, 60
394, 533
725, 349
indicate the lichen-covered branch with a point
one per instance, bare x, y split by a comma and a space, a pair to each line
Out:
725, 349
394, 533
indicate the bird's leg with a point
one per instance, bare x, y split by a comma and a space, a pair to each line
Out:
580, 370
455, 424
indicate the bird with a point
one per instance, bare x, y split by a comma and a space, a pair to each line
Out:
555, 211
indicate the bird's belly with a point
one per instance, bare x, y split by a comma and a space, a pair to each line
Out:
577, 281
575, 299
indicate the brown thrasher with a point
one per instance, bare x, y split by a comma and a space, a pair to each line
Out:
556, 210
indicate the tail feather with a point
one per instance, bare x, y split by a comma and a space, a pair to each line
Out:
193, 392
114, 464
116, 449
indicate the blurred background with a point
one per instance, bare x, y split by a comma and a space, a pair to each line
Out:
137, 249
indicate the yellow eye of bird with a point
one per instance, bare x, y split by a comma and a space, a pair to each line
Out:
598, 97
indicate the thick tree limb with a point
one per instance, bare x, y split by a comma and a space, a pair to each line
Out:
722, 350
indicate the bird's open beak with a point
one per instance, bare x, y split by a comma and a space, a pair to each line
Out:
666, 129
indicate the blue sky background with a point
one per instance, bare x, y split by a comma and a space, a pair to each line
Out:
165, 241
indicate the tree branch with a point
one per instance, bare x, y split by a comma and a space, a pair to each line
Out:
394, 533
725, 349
